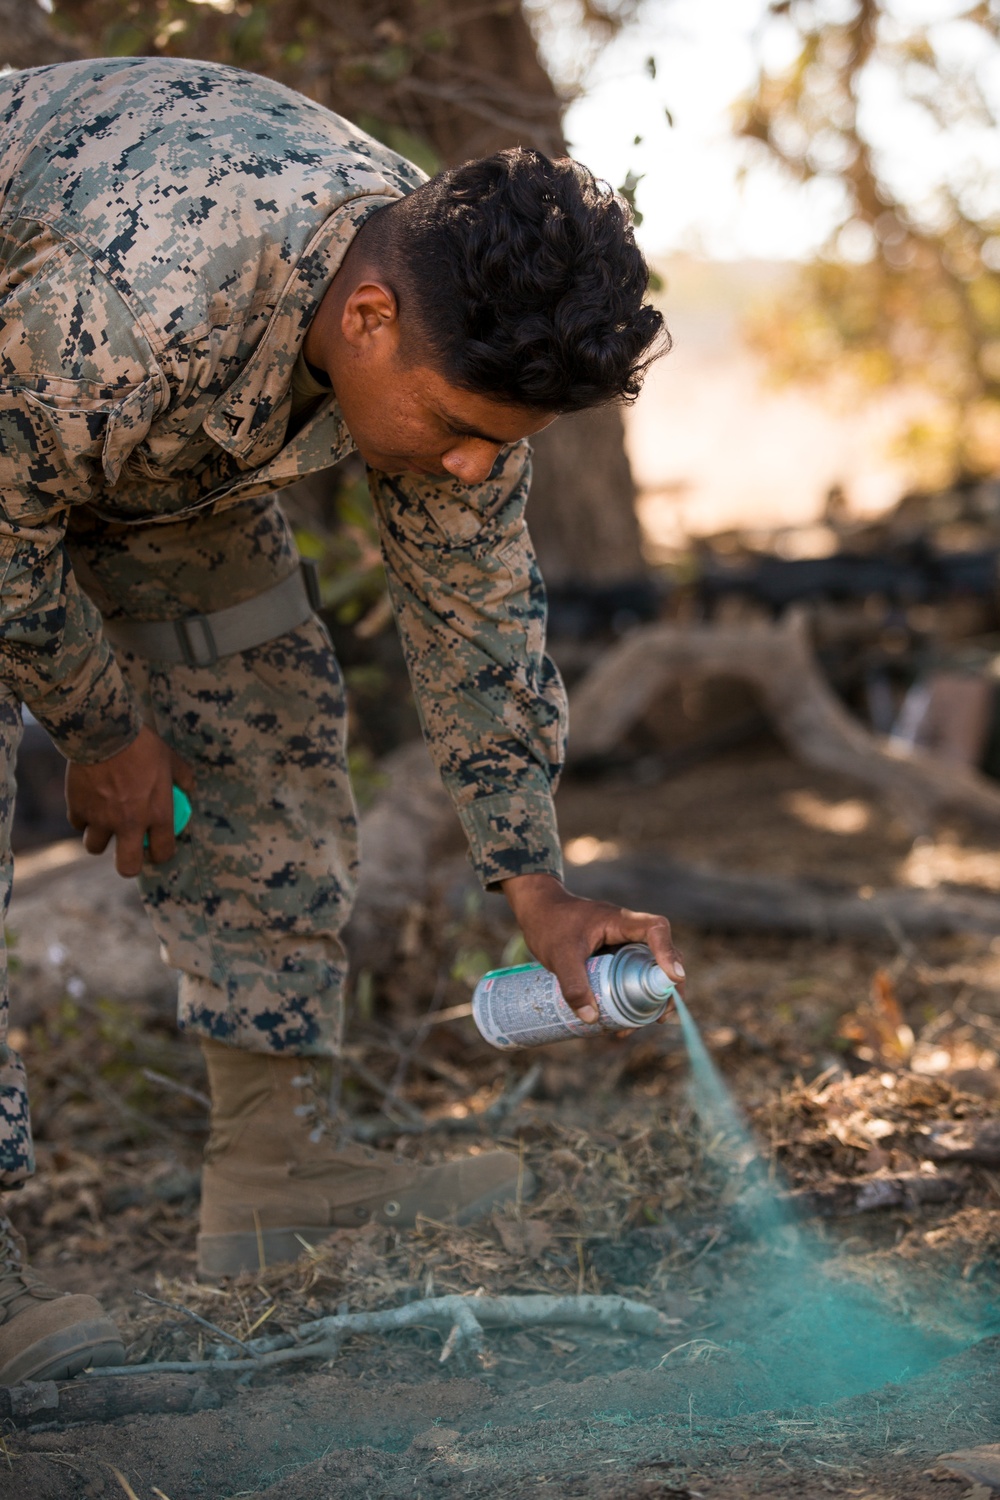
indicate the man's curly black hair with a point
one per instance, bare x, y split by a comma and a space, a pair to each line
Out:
523, 280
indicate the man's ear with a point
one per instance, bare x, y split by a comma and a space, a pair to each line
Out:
370, 312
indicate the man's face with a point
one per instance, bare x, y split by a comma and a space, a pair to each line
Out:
407, 418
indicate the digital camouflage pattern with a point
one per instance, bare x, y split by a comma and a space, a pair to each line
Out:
251, 906
167, 231
17, 1156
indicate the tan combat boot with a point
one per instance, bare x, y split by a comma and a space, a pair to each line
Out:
271, 1181
46, 1334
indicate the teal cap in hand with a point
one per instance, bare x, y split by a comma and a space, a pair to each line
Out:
182, 814
182, 810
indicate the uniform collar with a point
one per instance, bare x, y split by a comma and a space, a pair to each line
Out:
250, 421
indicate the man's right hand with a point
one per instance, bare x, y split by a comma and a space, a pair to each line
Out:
127, 797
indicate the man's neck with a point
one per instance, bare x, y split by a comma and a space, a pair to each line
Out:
324, 332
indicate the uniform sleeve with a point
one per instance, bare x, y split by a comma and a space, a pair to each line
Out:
75, 395
53, 654
470, 606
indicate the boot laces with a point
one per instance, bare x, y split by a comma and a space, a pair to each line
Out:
16, 1280
320, 1110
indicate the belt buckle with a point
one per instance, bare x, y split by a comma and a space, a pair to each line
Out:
310, 577
189, 644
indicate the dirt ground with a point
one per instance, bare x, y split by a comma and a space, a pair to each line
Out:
844, 1359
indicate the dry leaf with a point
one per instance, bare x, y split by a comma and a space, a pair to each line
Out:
982, 1465
435, 1438
877, 1027
560, 1346
527, 1238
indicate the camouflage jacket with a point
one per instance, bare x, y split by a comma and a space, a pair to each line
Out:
167, 230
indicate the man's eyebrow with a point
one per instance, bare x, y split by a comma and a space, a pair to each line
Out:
462, 429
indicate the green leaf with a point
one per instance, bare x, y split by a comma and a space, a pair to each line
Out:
627, 191
469, 966
125, 39
515, 952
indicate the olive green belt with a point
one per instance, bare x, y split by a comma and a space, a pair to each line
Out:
202, 640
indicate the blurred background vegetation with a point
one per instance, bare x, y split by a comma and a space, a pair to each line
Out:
907, 287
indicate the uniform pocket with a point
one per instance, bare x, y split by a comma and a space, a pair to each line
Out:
59, 445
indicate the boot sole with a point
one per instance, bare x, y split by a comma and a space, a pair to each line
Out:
230, 1254
64, 1354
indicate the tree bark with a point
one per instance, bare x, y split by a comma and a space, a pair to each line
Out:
413, 821
29, 39
582, 507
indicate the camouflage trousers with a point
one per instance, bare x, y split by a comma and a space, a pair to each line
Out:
250, 908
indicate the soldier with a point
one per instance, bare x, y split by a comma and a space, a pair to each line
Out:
210, 287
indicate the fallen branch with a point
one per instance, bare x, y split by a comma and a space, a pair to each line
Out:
841, 1197
173, 1087
132, 1390
766, 903
779, 663
194, 1318
963, 1140
464, 1318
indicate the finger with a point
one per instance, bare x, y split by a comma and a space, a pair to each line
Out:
655, 932
161, 845
158, 843
574, 982
129, 852
182, 773
95, 840
76, 817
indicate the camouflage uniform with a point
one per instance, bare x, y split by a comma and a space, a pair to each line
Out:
167, 231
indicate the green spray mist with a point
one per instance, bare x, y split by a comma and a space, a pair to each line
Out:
821, 1340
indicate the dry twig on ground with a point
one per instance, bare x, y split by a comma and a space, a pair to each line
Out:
464, 1317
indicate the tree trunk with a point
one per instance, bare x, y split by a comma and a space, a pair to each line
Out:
29, 39
582, 508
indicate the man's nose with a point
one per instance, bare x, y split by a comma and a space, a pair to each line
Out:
473, 462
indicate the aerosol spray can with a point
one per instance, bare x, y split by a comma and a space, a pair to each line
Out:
524, 1006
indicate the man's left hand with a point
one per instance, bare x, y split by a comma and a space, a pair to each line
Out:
563, 930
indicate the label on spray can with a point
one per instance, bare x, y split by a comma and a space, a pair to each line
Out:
525, 1007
